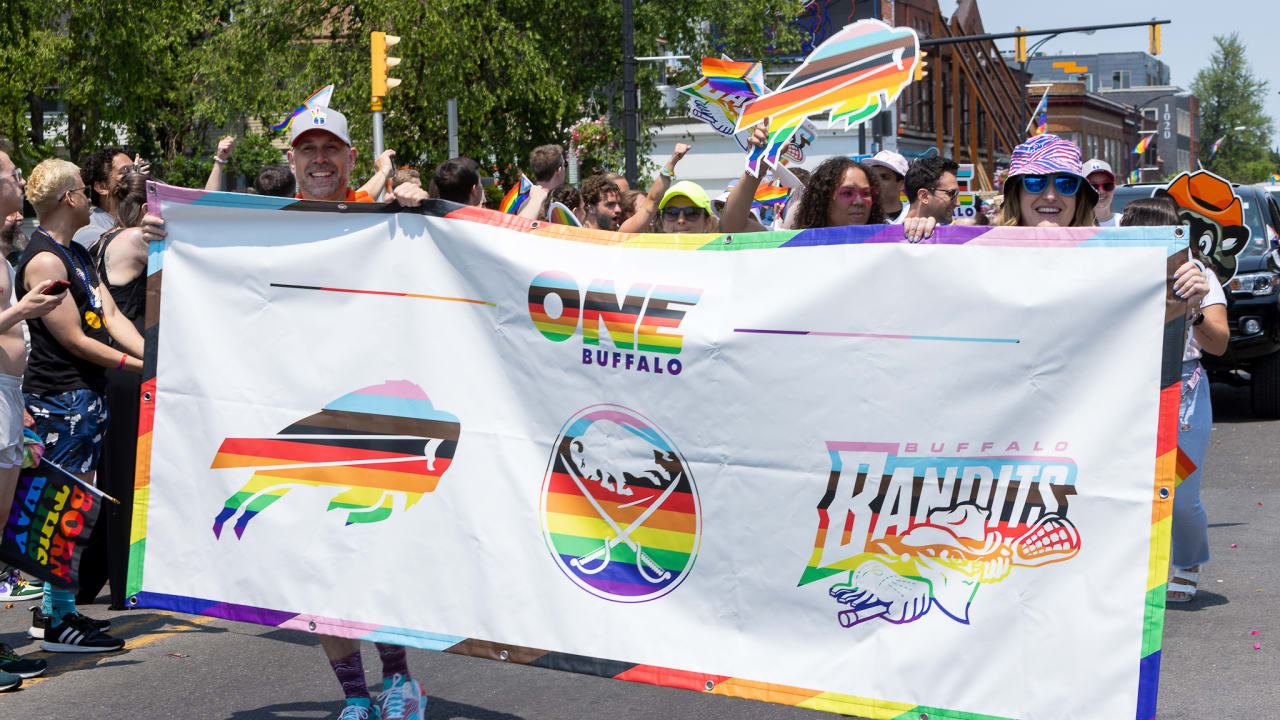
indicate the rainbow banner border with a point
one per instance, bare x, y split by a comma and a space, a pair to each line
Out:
1163, 480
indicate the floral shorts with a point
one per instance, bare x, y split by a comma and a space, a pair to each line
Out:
72, 425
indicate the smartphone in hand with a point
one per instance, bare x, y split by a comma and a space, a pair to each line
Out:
57, 287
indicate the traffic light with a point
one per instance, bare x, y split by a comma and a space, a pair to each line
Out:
378, 44
1020, 53
921, 66
1155, 39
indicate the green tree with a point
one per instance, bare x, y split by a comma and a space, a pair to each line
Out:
1231, 96
523, 71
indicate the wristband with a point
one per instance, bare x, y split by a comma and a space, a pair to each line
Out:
667, 173
220, 162
123, 357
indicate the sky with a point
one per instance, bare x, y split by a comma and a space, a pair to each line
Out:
1187, 43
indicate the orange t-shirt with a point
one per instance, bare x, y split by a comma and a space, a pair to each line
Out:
352, 196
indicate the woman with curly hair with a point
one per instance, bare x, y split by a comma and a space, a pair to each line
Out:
840, 193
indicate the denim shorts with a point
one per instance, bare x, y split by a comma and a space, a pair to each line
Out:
72, 425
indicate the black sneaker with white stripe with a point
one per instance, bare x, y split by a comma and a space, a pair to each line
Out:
78, 634
41, 622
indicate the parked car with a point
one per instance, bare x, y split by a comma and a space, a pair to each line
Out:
1253, 299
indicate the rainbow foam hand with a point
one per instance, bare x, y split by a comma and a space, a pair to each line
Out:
32, 448
560, 214
852, 75
318, 99
726, 85
517, 196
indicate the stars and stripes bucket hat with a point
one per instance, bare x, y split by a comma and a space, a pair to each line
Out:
1048, 155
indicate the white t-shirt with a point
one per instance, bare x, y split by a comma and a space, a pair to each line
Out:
901, 216
1113, 222
1215, 297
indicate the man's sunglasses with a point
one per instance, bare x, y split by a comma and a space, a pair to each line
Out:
16, 174
673, 213
1036, 184
951, 194
1104, 186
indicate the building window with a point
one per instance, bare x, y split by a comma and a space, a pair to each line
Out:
1120, 79
1087, 79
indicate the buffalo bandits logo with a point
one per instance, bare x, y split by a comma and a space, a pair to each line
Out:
908, 534
620, 511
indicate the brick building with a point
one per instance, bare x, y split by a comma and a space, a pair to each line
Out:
1103, 127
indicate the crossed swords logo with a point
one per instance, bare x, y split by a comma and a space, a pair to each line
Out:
651, 571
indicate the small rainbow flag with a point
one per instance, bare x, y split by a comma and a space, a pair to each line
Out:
1042, 123
1142, 145
1135, 176
1216, 144
1275, 177
318, 99
735, 78
769, 194
1184, 467
516, 196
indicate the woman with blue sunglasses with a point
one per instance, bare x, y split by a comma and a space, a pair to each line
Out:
1045, 187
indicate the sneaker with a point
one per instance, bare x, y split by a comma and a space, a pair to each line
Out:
12, 662
14, 587
9, 681
40, 622
358, 712
78, 634
403, 700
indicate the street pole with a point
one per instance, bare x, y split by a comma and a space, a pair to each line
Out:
453, 127
629, 131
377, 128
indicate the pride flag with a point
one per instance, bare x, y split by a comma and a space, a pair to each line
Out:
1135, 176
769, 194
1275, 177
318, 99
1042, 123
1216, 144
1142, 145
516, 196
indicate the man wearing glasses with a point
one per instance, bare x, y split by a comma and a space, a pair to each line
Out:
933, 189
1099, 175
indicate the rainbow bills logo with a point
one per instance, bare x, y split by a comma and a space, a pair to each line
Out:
620, 512
376, 445
910, 533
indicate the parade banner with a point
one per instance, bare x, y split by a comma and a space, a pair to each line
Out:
822, 468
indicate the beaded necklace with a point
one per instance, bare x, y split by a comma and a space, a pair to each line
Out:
83, 275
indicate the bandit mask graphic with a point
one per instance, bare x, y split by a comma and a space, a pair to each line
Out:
375, 444
619, 507
1209, 208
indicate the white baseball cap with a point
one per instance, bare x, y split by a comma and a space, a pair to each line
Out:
1096, 165
319, 118
891, 160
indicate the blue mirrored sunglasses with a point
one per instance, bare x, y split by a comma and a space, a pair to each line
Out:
1066, 184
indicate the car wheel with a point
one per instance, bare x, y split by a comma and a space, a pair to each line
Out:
1265, 390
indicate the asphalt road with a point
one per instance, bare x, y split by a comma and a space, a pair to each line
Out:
199, 667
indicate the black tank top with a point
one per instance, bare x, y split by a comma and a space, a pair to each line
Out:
51, 368
131, 297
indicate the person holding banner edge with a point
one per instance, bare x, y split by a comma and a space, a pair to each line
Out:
321, 158
66, 375
1208, 333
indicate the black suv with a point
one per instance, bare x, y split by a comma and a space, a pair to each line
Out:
1253, 300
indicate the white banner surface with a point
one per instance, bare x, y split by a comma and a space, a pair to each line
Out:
820, 469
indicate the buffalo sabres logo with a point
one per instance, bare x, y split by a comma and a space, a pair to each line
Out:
620, 510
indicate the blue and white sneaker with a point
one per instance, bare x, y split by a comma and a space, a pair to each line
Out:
358, 712
403, 700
